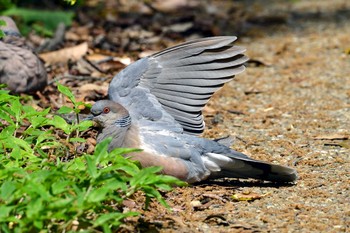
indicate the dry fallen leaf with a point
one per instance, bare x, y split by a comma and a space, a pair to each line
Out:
91, 89
209, 111
63, 55
83, 67
172, 5
180, 27
248, 196
334, 136
347, 51
96, 57
196, 203
124, 60
129, 203
146, 53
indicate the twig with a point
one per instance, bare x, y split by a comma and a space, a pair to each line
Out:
74, 77
55, 42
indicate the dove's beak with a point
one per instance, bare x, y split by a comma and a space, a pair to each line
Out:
89, 118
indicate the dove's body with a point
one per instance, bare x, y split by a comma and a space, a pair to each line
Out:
20, 68
156, 105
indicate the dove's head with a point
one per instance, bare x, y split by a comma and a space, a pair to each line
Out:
108, 113
10, 29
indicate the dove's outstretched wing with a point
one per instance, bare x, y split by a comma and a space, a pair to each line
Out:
177, 82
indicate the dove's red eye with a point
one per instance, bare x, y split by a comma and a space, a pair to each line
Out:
106, 110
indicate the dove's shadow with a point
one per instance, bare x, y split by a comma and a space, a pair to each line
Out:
243, 183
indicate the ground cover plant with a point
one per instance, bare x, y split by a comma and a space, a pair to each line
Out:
45, 186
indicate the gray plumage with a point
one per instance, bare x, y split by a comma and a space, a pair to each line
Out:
111, 126
20, 68
163, 96
180, 79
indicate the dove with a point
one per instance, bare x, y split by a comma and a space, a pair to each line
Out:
20, 68
156, 103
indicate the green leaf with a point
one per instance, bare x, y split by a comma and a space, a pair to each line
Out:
114, 217
42, 30
60, 123
16, 152
77, 164
115, 183
65, 110
2, 34
101, 149
5, 116
7, 132
23, 144
16, 108
77, 140
165, 179
91, 166
7, 189
144, 176
34, 207
84, 125
2, 22
38, 223
60, 186
164, 187
45, 136
29, 111
39, 121
49, 18
61, 203
122, 151
5, 211
152, 192
67, 92
97, 195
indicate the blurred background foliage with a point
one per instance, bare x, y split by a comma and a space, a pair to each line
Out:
43, 17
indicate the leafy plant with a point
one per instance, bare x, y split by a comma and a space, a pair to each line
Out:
40, 192
6, 4
2, 23
43, 21
59, 122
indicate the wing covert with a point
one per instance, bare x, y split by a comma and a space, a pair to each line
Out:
178, 81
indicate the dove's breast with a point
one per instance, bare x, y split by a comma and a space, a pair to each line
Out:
171, 166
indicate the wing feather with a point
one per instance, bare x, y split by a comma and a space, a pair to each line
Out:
177, 82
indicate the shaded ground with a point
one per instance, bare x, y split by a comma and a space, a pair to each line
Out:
291, 106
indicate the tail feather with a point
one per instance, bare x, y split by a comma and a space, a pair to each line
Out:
238, 165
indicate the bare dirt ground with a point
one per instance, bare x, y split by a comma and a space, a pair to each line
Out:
292, 107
